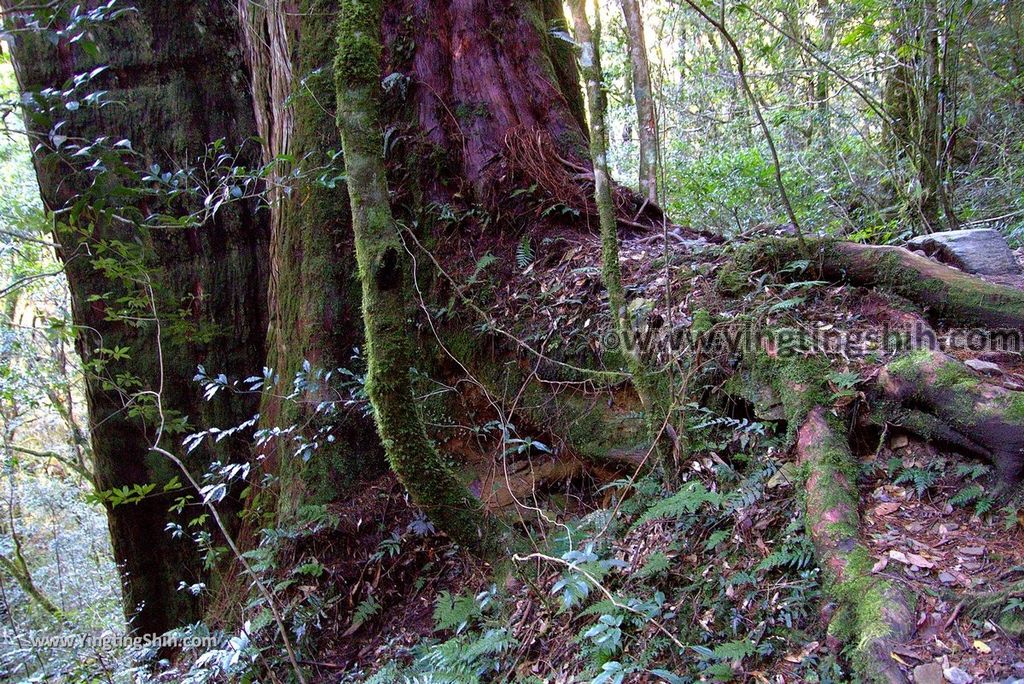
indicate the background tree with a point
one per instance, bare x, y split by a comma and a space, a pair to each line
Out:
647, 118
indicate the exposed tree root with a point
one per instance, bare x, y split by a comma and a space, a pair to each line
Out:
941, 399
948, 294
991, 605
875, 614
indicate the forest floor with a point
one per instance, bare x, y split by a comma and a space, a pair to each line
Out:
736, 580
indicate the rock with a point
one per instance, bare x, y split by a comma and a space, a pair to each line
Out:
955, 675
946, 578
768, 405
929, 673
979, 250
899, 441
986, 367
1012, 680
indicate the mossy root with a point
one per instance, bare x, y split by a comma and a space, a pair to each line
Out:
876, 613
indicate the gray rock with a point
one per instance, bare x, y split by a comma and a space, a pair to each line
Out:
979, 250
986, 367
955, 675
929, 673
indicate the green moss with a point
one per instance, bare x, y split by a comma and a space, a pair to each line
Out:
955, 375
385, 275
702, 322
357, 60
908, 366
799, 382
1015, 407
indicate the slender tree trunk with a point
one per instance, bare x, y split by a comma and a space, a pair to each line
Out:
822, 84
385, 274
24, 580
650, 394
930, 133
174, 74
643, 97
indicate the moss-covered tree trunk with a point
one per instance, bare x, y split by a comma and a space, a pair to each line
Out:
385, 273
175, 83
652, 396
314, 295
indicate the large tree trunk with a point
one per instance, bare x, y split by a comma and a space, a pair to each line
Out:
489, 114
471, 117
178, 85
313, 290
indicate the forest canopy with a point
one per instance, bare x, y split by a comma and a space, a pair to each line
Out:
512, 341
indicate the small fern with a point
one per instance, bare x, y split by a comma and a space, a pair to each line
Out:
656, 564
716, 538
524, 253
454, 611
686, 501
796, 553
967, 495
921, 478
366, 609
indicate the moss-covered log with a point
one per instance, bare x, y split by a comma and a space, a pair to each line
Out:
385, 273
875, 614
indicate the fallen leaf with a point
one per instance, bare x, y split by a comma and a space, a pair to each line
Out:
880, 565
920, 561
982, 647
887, 508
899, 556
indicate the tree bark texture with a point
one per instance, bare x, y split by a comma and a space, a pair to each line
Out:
313, 289
385, 273
493, 94
178, 84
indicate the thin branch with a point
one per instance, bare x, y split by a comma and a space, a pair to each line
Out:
741, 72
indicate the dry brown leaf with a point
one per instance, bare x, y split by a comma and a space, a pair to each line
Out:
887, 508
919, 561
899, 556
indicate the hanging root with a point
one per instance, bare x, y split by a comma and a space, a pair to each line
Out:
533, 159
530, 156
875, 614
940, 399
